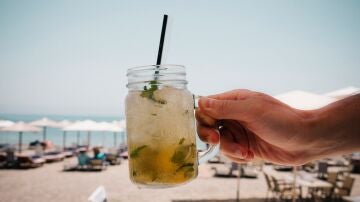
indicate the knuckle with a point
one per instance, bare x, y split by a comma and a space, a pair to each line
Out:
222, 108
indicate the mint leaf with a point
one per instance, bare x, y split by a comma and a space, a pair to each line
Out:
182, 152
135, 153
185, 166
181, 140
189, 172
149, 92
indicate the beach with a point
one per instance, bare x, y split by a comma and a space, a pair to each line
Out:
51, 183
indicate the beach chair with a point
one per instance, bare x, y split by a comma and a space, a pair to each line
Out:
69, 152
269, 186
113, 159
324, 193
53, 156
83, 160
332, 177
322, 170
10, 158
225, 170
97, 164
30, 161
284, 191
344, 188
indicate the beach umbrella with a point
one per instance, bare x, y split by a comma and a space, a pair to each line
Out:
343, 93
63, 124
5, 123
21, 128
122, 125
111, 127
44, 123
304, 100
86, 126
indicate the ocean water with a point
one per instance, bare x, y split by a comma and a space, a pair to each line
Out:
55, 135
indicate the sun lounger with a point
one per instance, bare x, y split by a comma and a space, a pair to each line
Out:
30, 161
53, 156
224, 170
68, 154
113, 159
249, 172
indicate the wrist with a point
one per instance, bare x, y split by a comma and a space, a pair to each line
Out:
334, 129
322, 137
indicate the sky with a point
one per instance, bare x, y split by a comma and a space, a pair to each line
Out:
71, 57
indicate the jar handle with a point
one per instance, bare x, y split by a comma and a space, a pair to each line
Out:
213, 149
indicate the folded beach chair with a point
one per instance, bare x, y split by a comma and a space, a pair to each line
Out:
30, 161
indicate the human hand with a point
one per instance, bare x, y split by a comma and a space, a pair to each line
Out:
254, 125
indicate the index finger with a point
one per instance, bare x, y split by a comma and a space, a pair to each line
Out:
237, 94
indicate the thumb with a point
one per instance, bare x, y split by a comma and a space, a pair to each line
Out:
240, 110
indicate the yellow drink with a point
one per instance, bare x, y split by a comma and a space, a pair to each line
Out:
164, 164
161, 137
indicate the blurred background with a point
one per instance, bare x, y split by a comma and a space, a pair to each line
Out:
67, 60
70, 58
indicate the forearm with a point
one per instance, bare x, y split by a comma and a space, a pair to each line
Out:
337, 127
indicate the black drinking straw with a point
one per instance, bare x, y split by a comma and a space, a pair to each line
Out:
161, 45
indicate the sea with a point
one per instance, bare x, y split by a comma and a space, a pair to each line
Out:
55, 135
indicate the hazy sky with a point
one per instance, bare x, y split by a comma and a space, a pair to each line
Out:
70, 57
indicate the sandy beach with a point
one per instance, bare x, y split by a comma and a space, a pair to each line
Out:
51, 183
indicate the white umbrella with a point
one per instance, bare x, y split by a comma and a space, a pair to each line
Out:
111, 127
343, 93
122, 125
305, 100
21, 127
63, 124
44, 123
87, 126
5, 123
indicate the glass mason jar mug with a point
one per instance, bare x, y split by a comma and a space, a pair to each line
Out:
160, 126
